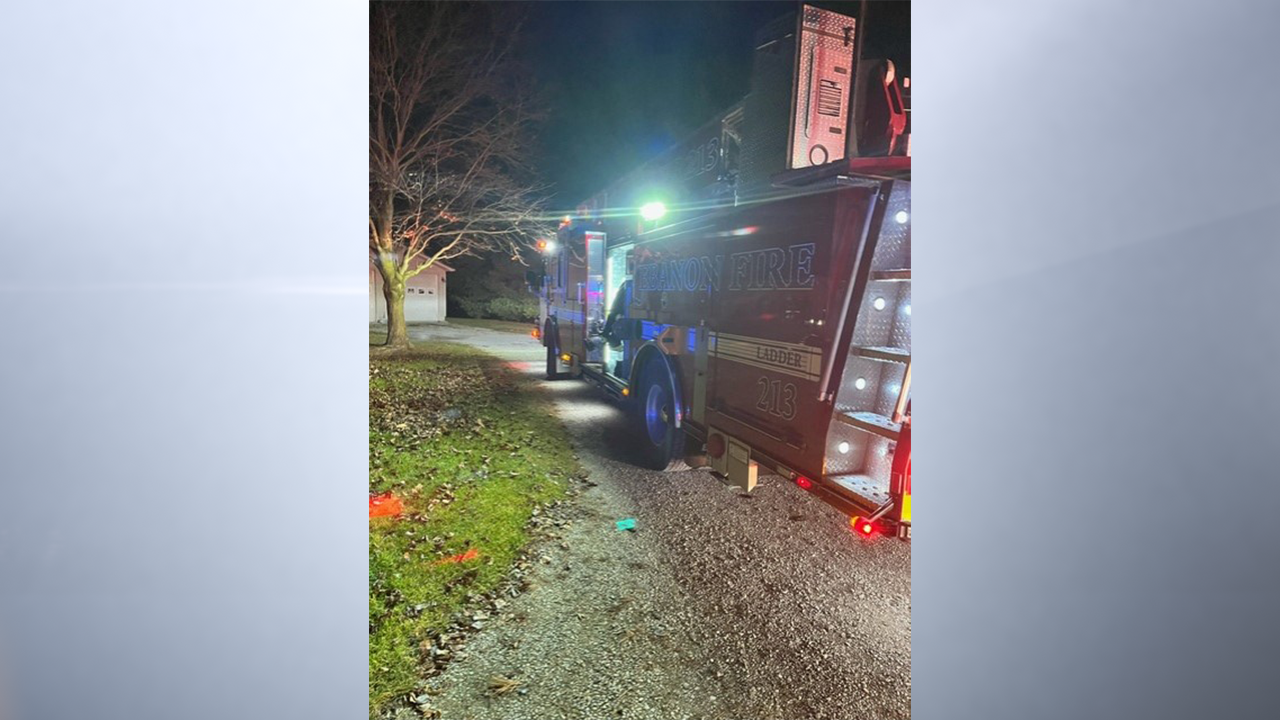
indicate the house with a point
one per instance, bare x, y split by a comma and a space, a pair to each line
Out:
424, 295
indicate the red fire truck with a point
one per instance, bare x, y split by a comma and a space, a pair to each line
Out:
747, 296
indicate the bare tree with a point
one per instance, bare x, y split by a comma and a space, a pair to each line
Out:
449, 122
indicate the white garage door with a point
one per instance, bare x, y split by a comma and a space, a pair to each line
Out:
422, 300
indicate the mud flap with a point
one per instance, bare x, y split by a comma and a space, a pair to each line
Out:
734, 465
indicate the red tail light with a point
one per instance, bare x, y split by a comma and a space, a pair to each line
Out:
862, 526
804, 482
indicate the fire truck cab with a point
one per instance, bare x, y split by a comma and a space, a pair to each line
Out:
762, 319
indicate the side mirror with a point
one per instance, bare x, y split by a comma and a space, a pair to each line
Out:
628, 329
533, 280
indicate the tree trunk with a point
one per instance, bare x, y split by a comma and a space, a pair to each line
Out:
393, 278
397, 331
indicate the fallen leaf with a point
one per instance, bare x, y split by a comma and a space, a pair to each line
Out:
501, 685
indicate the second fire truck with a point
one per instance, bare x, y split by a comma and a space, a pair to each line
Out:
747, 296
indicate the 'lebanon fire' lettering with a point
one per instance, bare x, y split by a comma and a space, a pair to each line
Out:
775, 268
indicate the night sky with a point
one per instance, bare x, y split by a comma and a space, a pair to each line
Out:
625, 80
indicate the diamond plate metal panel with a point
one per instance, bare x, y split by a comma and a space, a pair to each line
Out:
870, 456
872, 488
893, 248
867, 454
852, 398
824, 82
878, 459
887, 391
900, 333
879, 393
875, 326
839, 463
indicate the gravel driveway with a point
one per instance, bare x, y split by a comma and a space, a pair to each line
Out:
716, 606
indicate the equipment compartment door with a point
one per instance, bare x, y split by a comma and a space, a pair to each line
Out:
786, 266
617, 275
594, 301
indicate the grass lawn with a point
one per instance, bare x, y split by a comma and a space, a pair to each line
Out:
504, 325
471, 448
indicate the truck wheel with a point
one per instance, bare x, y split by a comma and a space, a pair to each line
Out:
553, 362
661, 440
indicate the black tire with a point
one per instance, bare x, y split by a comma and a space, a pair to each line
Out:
661, 442
553, 362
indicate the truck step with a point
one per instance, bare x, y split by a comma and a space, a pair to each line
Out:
886, 354
872, 423
872, 491
900, 275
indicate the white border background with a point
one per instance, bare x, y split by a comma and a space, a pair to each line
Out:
183, 378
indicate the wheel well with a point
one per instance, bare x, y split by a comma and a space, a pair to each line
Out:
551, 334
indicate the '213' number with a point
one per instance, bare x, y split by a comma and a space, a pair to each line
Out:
777, 398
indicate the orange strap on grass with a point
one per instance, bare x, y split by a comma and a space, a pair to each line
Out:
386, 505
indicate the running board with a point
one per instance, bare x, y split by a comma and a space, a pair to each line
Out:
872, 423
898, 275
863, 489
595, 373
883, 354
